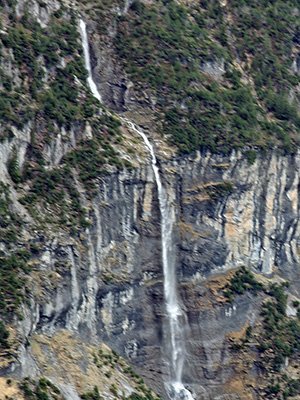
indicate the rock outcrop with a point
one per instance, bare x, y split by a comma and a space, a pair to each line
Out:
107, 285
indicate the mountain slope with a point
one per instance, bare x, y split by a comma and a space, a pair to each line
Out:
215, 88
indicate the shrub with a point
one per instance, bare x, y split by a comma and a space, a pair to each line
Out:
241, 281
4, 335
13, 167
250, 156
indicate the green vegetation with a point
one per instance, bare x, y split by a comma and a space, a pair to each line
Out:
268, 31
137, 396
251, 156
13, 167
88, 159
114, 390
166, 47
266, 34
49, 90
4, 335
212, 191
13, 281
13, 263
56, 189
111, 360
277, 338
280, 338
241, 281
219, 189
10, 222
94, 395
35, 49
41, 390
52, 93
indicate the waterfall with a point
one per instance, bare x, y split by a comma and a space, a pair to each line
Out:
174, 338
174, 341
87, 61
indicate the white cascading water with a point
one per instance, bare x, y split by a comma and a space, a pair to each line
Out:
175, 344
87, 60
175, 348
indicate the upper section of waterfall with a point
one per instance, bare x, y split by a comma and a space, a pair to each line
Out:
87, 60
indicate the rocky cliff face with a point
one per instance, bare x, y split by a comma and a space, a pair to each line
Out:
104, 282
107, 284
256, 224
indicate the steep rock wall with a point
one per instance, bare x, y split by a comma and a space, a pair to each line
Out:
254, 225
231, 214
106, 284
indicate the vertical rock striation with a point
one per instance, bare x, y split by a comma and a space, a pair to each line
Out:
109, 283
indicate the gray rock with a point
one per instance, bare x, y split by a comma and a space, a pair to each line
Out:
215, 68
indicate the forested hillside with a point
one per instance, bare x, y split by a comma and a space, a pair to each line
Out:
225, 76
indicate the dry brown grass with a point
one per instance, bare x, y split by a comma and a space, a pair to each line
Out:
216, 285
204, 186
10, 390
186, 229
